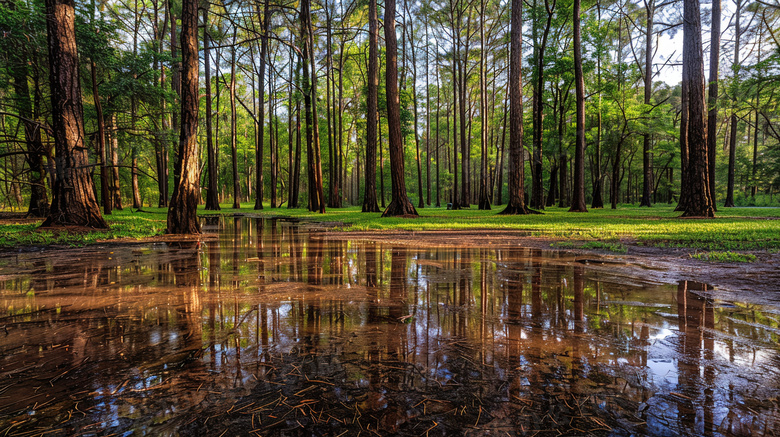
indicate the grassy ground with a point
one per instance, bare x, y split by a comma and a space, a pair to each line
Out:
732, 229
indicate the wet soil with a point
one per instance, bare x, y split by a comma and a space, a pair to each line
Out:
266, 327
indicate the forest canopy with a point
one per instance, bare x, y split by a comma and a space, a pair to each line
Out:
282, 114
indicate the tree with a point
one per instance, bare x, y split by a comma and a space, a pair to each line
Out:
516, 173
74, 201
578, 197
729, 203
369, 195
399, 204
699, 200
212, 192
316, 192
647, 155
712, 102
537, 191
182, 212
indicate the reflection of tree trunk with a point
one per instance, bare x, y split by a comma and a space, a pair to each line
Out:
214, 255
370, 250
237, 234
314, 260
579, 287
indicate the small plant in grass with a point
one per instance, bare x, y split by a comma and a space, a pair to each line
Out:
605, 245
724, 257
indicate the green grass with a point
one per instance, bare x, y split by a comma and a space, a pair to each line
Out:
123, 224
732, 229
724, 257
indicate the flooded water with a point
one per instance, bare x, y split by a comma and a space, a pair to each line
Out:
265, 328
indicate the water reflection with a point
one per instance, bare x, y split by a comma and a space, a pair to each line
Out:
267, 327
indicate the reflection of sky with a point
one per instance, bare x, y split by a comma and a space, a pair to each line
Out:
662, 372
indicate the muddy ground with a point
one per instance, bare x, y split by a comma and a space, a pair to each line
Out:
757, 282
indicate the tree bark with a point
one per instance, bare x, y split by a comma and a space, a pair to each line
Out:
484, 196
369, 196
100, 143
516, 172
233, 126
647, 153
578, 195
712, 113
399, 204
734, 121
39, 202
182, 212
265, 22
212, 194
73, 200
699, 202
316, 193
537, 190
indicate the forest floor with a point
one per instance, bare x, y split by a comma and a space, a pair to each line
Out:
739, 250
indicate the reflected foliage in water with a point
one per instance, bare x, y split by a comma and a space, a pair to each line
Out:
266, 327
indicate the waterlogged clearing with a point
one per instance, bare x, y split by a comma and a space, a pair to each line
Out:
264, 327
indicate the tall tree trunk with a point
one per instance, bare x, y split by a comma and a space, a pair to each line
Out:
484, 195
684, 103
369, 196
421, 201
233, 126
116, 191
734, 121
699, 202
537, 190
39, 202
265, 22
297, 166
438, 118
316, 193
100, 143
427, 120
399, 204
712, 113
272, 139
498, 198
182, 212
598, 185
212, 194
578, 191
73, 200
516, 173
381, 162
647, 153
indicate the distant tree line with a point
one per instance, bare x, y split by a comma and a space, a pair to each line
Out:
324, 104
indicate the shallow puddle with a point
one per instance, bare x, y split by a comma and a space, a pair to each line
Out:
265, 328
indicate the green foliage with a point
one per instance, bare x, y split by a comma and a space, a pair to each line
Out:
724, 257
123, 225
